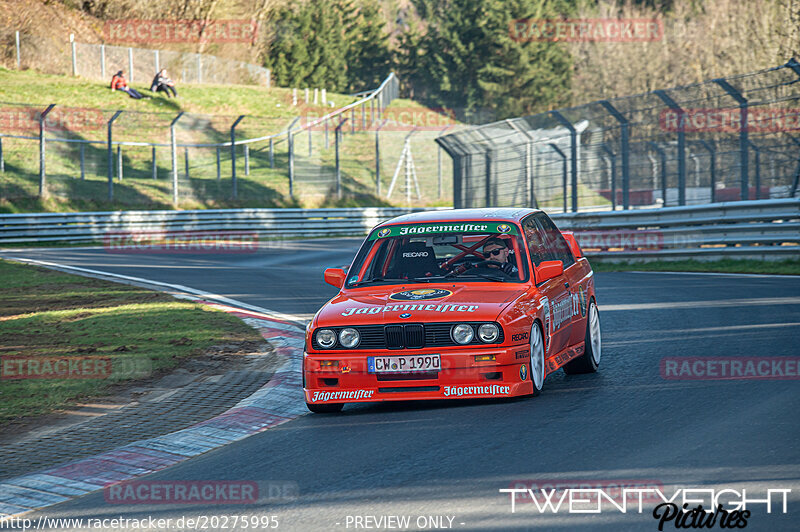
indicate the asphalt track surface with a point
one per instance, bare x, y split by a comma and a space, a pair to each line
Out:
624, 424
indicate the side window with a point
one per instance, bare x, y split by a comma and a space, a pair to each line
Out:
537, 244
555, 240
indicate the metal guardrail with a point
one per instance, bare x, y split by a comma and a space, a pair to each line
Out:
765, 228
279, 223
752, 229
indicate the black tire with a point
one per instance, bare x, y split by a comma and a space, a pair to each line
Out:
328, 408
590, 360
537, 350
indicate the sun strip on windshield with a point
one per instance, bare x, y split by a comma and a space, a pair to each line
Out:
460, 227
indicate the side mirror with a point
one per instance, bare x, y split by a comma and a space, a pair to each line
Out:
549, 269
335, 277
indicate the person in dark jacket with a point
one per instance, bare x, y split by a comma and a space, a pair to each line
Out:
118, 82
162, 83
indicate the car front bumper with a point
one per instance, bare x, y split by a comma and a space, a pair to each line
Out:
460, 377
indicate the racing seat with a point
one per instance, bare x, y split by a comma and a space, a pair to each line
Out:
415, 259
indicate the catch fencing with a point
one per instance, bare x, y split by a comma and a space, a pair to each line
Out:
734, 138
127, 159
101, 61
766, 229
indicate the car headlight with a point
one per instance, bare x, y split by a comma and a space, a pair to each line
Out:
488, 332
326, 338
349, 337
462, 333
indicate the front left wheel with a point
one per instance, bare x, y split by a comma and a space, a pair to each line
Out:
537, 359
329, 408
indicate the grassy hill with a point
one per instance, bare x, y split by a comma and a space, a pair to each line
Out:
84, 106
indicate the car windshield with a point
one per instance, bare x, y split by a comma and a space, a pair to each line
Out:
441, 252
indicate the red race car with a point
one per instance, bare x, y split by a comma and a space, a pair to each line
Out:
457, 304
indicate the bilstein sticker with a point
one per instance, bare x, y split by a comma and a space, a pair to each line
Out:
460, 227
419, 295
402, 308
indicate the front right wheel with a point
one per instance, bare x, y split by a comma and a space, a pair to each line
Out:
590, 360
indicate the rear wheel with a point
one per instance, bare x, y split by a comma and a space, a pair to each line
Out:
537, 359
590, 360
329, 408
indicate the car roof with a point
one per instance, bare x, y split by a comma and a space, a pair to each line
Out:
504, 214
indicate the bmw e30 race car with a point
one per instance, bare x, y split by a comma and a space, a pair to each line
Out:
471, 303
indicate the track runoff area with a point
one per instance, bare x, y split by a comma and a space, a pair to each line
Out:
695, 402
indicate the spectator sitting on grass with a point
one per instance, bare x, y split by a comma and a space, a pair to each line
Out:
118, 82
162, 83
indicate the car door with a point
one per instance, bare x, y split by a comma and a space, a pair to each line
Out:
576, 278
556, 290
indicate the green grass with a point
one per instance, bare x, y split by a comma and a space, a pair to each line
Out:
31, 87
783, 267
210, 112
44, 313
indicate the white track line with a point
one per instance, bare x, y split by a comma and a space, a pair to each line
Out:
180, 289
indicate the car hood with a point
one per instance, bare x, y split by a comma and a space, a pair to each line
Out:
429, 303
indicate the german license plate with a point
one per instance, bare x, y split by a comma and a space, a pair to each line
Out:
404, 363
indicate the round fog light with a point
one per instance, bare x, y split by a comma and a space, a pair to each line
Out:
488, 332
462, 333
349, 337
326, 338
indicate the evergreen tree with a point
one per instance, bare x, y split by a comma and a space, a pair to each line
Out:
307, 47
468, 59
337, 44
368, 55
